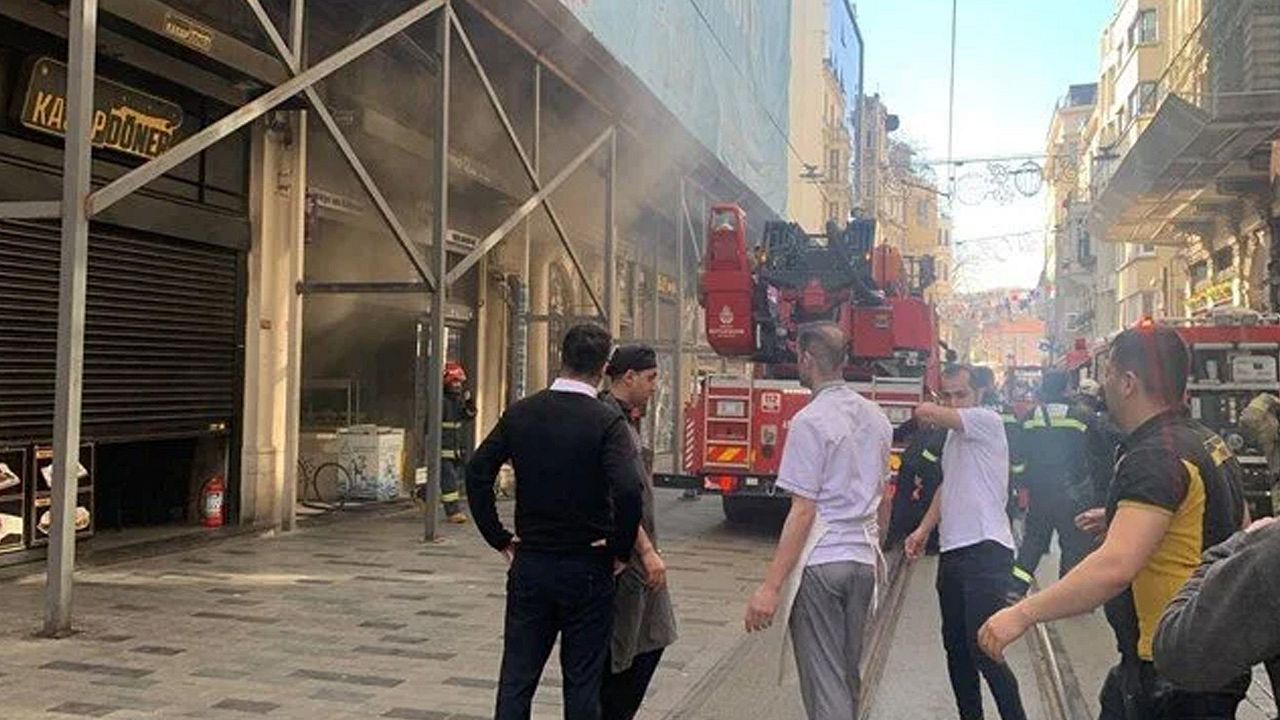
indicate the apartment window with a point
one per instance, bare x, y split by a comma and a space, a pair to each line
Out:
1084, 247
922, 212
1223, 259
1199, 272
833, 162
1148, 303
1145, 29
1142, 101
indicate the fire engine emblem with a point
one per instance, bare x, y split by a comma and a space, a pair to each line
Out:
726, 316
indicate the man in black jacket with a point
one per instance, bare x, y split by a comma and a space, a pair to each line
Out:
578, 503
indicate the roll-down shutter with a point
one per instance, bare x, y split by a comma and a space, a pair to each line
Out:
160, 334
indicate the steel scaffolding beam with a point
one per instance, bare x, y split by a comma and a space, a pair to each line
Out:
530, 170
121, 187
436, 335
77, 166
31, 210
293, 61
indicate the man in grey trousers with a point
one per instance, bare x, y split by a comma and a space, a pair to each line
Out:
835, 462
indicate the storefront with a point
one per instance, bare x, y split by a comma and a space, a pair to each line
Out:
165, 319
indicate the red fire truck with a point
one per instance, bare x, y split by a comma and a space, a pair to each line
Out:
755, 302
1234, 357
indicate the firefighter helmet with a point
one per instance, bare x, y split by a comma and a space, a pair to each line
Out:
454, 374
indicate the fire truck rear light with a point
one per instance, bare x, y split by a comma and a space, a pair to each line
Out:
731, 408
726, 484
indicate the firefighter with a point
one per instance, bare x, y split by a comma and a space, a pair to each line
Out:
1054, 449
459, 410
1259, 421
918, 479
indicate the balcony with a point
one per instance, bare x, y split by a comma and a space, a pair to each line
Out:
1217, 105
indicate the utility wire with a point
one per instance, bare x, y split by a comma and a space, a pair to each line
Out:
951, 105
728, 56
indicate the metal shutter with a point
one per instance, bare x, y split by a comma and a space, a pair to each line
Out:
160, 334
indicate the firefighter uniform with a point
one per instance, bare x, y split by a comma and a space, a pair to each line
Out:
918, 479
1173, 465
458, 412
1017, 464
1054, 452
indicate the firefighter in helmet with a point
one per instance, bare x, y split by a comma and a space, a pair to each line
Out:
459, 410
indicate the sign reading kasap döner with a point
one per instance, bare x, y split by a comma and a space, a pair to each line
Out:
124, 119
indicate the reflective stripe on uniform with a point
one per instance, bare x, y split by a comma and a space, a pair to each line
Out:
929, 456
451, 425
1018, 469
451, 497
449, 454
1022, 575
1068, 423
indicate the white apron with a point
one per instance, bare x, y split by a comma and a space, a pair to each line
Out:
791, 587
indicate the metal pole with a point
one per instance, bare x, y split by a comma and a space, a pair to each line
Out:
297, 225
77, 162
653, 334
526, 272
951, 111
436, 335
614, 323
677, 384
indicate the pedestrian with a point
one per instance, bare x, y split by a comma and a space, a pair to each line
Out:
975, 539
644, 623
834, 464
1175, 493
577, 512
458, 412
1223, 621
1054, 447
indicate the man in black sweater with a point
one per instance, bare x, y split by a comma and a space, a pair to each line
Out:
578, 503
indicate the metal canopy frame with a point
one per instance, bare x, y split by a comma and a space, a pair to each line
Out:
80, 203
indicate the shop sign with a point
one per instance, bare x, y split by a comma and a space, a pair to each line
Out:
1212, 296
124, 119
188, 32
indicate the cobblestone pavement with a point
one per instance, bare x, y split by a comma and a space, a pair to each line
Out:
355, 618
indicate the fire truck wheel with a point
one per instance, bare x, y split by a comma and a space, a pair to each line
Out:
737, 511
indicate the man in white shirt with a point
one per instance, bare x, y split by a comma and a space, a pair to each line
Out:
975, 539
834, 463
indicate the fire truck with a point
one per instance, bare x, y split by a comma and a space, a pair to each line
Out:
755, 301
1234, 357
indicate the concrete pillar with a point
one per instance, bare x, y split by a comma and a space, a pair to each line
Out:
272, 375
540, 293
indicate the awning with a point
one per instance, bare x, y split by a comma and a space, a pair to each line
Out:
1185, 166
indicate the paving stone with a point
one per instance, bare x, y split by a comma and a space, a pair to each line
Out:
438, 613
255, 707
405, 596
411, 714
342, 696
402, 639
402, 652
158, 650
93, 669
348, 678
382, 625
237, 618
83, 709
469, 682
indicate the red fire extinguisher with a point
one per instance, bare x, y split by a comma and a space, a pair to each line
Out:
211, 502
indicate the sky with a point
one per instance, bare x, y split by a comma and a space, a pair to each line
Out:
1014, 59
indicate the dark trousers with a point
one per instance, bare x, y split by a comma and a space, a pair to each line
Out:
621, 693
971, 582
1133, 691
549, 595
452, 475
1047, 515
